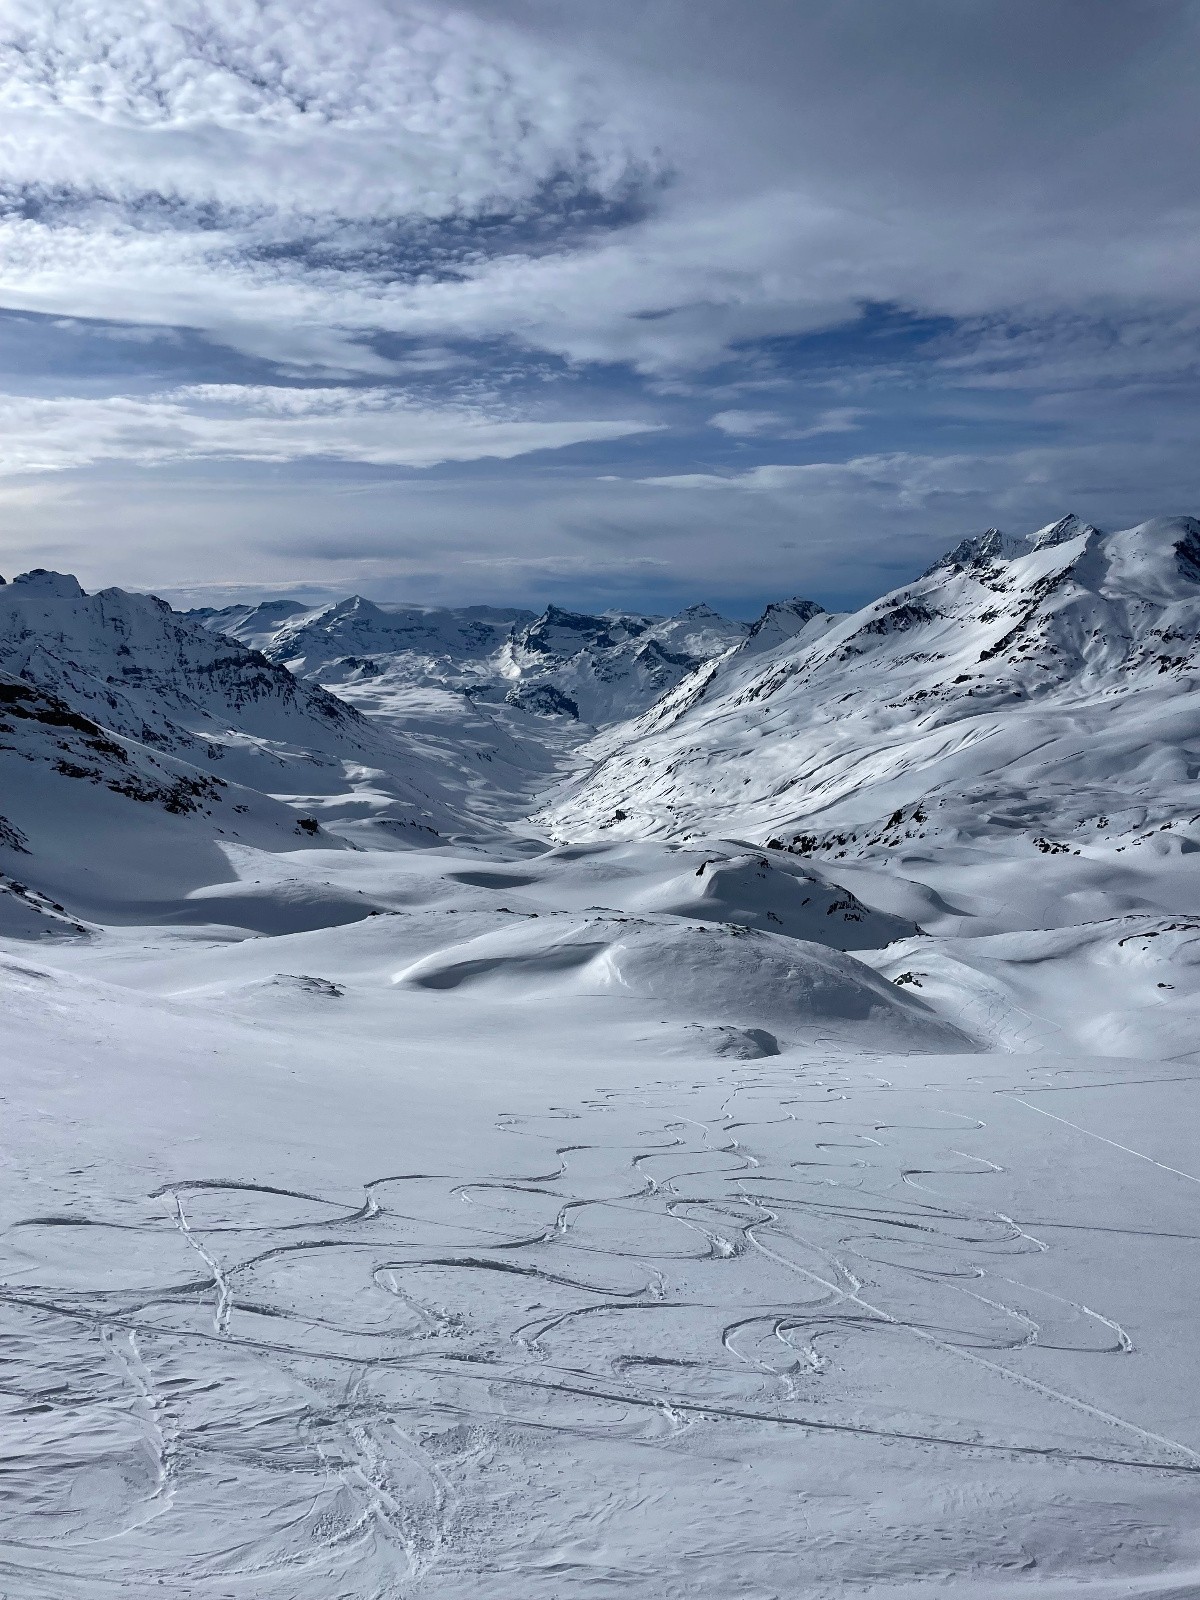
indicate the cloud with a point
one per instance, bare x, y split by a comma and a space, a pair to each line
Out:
745, 424
276, 424
296, 176
1074, 352
956, 241
300, 108
521, 532
897, 480
859, 499
275, 173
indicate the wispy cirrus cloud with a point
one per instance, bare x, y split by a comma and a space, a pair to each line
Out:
775, 424
264, 423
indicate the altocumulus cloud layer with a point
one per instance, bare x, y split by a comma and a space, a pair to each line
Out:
620, 301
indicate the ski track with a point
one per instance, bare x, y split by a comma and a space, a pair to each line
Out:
1126, 1149
699, 1255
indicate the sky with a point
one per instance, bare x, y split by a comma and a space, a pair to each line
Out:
604, 302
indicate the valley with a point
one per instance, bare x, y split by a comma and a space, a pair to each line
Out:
564, 1105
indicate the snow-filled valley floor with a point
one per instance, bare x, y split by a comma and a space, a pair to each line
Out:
495, 1244
770, 1172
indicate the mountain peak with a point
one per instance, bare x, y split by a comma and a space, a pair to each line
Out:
1157, 560
1068, 527
573, 623
796, 605
54, 585
782, 619
560, 616
979, 551
354, 605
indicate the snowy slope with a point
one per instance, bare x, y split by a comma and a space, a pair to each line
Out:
1044, 689
498, 1245
150, 673
133, 741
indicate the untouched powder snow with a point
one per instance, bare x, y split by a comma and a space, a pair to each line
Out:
771, 1173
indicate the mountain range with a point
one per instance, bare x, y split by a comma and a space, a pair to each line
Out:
1039, 688
591, 669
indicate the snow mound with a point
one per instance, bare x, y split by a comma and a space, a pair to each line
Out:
722, 1042
753, 891
696, 971
287, 994
1126, 986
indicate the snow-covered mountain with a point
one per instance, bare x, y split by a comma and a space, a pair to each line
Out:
591, 669
606, 669
1042, 687
132, 740
356, 637
152, 674
492, 701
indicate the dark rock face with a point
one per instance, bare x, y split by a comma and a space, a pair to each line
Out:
39, 726
543, 699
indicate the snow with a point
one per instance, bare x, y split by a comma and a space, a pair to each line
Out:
53, 585
783, 620
591, 669
1050, 692
431, 1202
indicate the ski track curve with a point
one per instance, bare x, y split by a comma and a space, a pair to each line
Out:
697, 1255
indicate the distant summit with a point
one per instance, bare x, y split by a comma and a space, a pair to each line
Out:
592, 668
53, 585
1066, 528
782, 620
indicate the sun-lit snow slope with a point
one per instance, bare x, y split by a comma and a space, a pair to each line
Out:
1043, 690
562, 664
